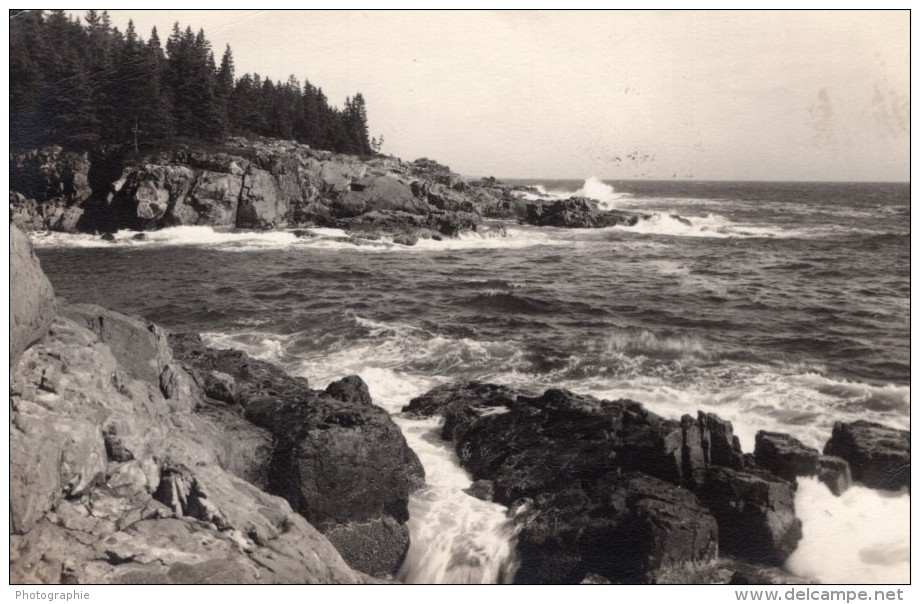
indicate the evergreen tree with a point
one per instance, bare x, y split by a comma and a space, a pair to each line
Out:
87, 84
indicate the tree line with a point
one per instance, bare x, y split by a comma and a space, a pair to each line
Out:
84, 84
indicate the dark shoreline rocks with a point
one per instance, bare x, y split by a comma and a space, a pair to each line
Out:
271, 184
878, 456
609, 491
337, 458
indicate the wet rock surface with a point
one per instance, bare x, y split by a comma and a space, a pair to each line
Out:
610, 490
878, 456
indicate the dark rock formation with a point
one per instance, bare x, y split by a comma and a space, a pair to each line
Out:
755, 511
481, 489
611, 488
577, 212
32, 305
784, 455
337, 458
47, 187
835, 473
879, 456
350, 389
720, 446
626, 529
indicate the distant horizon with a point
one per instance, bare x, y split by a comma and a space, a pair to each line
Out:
582, 178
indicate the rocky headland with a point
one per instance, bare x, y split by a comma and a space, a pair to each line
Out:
271, 184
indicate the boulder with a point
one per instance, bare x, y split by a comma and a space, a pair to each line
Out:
755, 512
481, 489
144, 197
879, 456
32, 305
385, 193
336, 457
377, 547
784, 455
212, 201
350, 389
835, 473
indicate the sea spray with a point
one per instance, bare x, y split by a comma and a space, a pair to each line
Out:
859, 536
606, 195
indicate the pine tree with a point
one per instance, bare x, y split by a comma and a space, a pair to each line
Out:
86, 85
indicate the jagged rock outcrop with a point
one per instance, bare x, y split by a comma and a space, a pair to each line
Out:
562, 455
577, 212
337, 458
879, 456
611, 488
267, 184
784, 455
32, 306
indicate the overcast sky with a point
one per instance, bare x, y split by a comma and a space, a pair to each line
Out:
820, 95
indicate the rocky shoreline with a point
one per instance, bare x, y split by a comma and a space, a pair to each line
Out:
270, 184
139, 455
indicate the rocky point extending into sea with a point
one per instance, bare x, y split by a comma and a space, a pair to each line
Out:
269, 184
139, 455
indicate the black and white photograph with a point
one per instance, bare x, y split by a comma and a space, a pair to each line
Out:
443, 297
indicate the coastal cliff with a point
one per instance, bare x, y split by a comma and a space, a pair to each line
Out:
270, 184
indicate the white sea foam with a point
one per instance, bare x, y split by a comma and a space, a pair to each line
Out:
859, 537
174, 236
605, 194
593, 188
317, 238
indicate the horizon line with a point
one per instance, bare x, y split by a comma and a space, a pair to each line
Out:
749, 180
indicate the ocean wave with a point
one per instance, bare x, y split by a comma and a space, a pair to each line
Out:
593, 188
710, 225
645, 342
